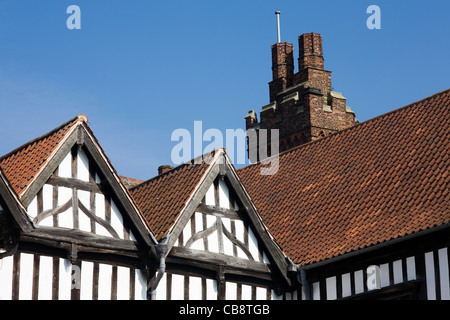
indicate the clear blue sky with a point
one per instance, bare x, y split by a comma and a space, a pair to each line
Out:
141, 69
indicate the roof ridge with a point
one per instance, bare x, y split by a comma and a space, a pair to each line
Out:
368, 121
187, 163
158, 176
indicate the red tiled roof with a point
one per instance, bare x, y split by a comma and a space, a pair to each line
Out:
162, 198
21, 165
382, 179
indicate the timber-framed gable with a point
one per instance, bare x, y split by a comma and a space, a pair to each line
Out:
218, 246
83, 236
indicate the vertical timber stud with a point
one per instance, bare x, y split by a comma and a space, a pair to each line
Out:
220, 283
75, 273
421, 273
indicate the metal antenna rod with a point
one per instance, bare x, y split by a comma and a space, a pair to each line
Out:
278, 25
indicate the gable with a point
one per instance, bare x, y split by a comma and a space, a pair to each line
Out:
77, 197
219, 225
71, 184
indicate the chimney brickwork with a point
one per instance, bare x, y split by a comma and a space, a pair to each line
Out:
164, 168
302, 105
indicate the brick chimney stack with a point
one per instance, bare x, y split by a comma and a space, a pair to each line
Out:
164, 168
310, 51
302, 105
282, 68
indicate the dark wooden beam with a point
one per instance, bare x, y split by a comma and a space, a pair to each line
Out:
216, 259
64, 238
75, 184
218, 211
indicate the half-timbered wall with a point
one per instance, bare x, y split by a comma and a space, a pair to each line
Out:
74, 198
218, 229
190, 287
29, 276
404, 276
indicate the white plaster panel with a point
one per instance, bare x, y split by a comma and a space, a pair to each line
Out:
117, 220
346, 285
398, 272
359, 281
6, 275
227, 244
47, 197
65, 279
443, 274
411, 268
47, 204
161, 290
195, 288
224, 195
253, 244
65, 167
140, 286
65, 219
230, 291
84, 221
104, 281
384, 275
26, 276
316, 291
123, 283
87, 279
187, 232
32, 208
331, 288
213, 241
82, 166
198, 221
211, 289
429, 276
261, 293
45, 278
246, 292
209, 196
177, 287
100, 205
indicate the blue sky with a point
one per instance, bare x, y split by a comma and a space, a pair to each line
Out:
141, 69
